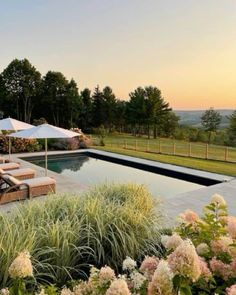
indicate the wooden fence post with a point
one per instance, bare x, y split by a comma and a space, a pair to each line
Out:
207, 148
147, 149
226, 153
190, 150
174, 148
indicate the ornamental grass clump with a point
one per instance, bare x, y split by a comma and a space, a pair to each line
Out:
123, 220
66, 234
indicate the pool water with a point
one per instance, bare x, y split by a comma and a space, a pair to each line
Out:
91, 171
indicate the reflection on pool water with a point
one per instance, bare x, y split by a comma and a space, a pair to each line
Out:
90, 171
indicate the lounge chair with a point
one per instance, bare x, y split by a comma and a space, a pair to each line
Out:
3, 160
20, 174
9, 166
19, 190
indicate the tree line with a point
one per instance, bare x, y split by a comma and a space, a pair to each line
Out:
27, 95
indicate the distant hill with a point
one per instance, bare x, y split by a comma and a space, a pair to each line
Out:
193, 118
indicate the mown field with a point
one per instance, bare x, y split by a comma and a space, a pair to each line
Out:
212, 158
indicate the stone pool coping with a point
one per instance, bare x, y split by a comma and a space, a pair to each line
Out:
195, 200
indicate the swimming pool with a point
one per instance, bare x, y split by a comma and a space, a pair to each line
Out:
89, 170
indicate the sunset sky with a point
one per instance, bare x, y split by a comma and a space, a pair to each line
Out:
187, 48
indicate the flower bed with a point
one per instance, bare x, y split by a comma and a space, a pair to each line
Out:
199, 257
66, 234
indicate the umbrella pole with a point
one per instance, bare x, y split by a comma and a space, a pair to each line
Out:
46, 157
9, 147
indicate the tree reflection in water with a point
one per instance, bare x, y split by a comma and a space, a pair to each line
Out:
59, 164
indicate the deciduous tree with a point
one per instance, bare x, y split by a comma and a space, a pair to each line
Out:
53, 97
22, 82
211, 120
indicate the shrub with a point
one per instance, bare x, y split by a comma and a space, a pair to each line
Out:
69, 143
85, 141
63, 144
19, 145
102, 133
64, 234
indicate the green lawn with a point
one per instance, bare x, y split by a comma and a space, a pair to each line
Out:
116, 144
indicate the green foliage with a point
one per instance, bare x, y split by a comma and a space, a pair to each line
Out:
109, 107
232, 129
101, 132
218, 241
148, 108
220, 137
86, 115
27, 96
211, 120
65, 234
125, 218
211, 227
22, 83
59, 102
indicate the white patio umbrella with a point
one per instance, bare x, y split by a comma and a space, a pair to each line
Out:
10, 124
45, 131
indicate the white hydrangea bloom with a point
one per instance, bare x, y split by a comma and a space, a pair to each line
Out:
118, 287
202, 249
218, 200
21, 267
66, 291
138, 280
173, 242
4, 291
162, 280
185, 261
164, 239
129, 264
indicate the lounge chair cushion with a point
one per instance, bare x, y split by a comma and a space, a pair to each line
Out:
39, 181
19, 172
9, 166
11, 180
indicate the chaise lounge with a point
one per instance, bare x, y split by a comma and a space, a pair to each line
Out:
13, 189
3, 160
20, 174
